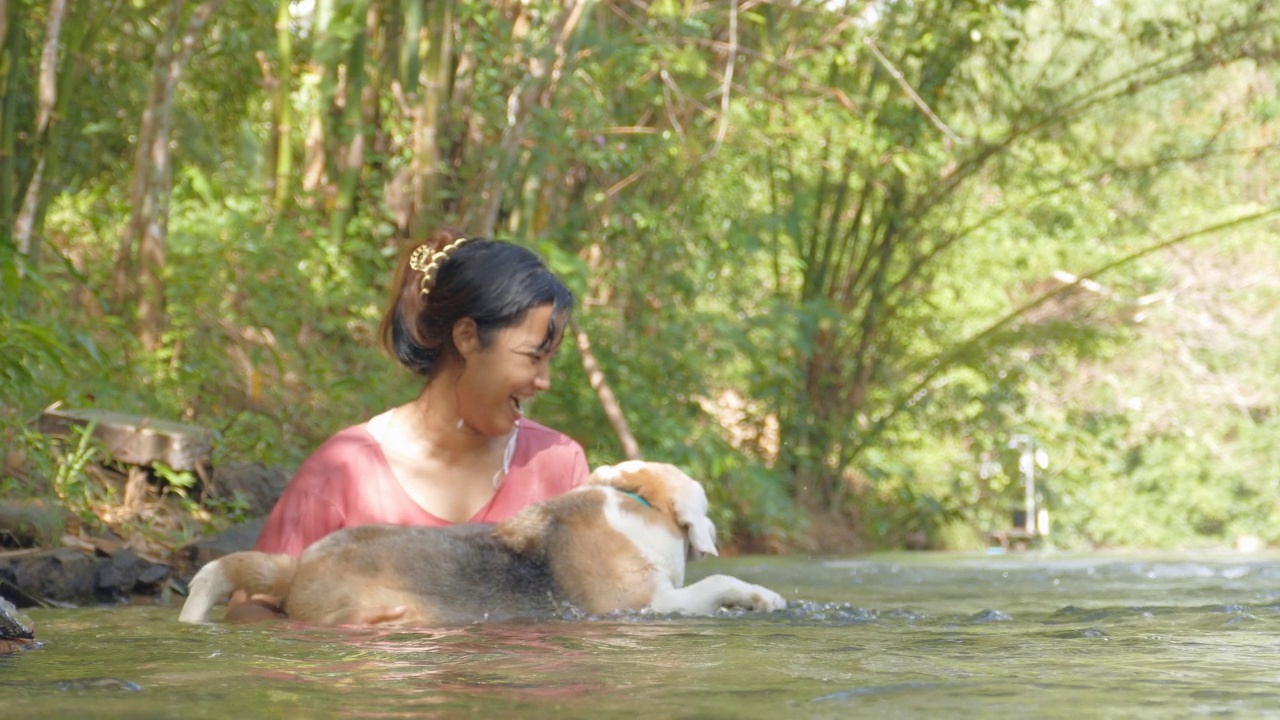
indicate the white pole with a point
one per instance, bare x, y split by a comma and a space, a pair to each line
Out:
1029, 471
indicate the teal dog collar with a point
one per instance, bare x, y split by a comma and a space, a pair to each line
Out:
636, 497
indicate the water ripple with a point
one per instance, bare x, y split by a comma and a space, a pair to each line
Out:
990, 616
1074, 614
858, 692
1090, 633
827, 613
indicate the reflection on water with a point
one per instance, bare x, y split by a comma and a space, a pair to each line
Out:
889, 635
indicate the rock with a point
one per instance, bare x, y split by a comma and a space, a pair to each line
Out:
234, 539
17, 632
258, 486
63, 574
69, 576
151, 575
119, 573
124, 573
13, 624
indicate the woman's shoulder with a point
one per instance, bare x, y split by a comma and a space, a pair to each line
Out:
541, 448
536, 433
349, 450
356, 438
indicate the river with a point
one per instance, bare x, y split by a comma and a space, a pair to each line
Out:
921, 635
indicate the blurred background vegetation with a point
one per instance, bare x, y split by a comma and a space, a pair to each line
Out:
831, 256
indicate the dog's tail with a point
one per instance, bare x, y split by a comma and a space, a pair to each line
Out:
256, 573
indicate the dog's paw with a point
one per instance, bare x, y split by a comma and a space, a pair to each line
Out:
765, 600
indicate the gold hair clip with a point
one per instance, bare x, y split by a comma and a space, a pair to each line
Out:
427, 262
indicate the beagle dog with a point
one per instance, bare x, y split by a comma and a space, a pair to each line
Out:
620, 542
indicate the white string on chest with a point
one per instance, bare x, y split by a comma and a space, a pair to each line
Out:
507, 453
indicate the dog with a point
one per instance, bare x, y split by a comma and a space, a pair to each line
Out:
619, 542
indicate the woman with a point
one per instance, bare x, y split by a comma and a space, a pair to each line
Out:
480, 320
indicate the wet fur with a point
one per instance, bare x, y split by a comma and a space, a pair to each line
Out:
593, 548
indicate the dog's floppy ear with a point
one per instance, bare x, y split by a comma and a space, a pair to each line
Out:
702, 537
691, 513
669, 490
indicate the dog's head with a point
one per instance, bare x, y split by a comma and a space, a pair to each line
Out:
668, 490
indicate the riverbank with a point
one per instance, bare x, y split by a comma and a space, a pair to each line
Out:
52, 558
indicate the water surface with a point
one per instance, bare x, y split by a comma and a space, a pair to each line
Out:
910, 635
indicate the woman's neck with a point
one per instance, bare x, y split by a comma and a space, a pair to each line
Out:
431, 425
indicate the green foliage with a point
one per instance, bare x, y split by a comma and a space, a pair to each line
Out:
841, 277
69, 479
58, 465
181, 480
28, 349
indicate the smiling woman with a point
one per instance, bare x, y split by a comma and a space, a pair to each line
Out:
480, 320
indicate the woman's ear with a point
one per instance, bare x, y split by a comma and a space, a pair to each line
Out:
466, 337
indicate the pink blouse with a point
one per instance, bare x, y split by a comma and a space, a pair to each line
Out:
347, 481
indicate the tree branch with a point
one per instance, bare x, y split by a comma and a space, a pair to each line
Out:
728, 80
910, 91
608, 401
940, 364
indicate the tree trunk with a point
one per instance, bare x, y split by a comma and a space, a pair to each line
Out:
430, 113
410, 48
283, 111
324, 146
46, 101
315, 162
10, 57
153, 173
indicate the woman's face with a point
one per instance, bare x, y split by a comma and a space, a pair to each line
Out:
498, 381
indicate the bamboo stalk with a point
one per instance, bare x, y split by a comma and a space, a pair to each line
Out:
46, 101
283, 109
351, 133
432, 109
13, 48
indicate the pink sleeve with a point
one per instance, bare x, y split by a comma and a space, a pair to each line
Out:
303, 514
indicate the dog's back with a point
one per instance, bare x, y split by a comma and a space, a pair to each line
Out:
439, 576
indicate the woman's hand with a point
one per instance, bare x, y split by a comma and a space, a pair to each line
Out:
243, 609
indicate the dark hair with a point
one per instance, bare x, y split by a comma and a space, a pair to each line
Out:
492, 282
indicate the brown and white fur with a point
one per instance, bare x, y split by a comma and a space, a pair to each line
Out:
595, 548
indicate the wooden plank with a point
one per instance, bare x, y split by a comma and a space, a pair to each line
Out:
137, 439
